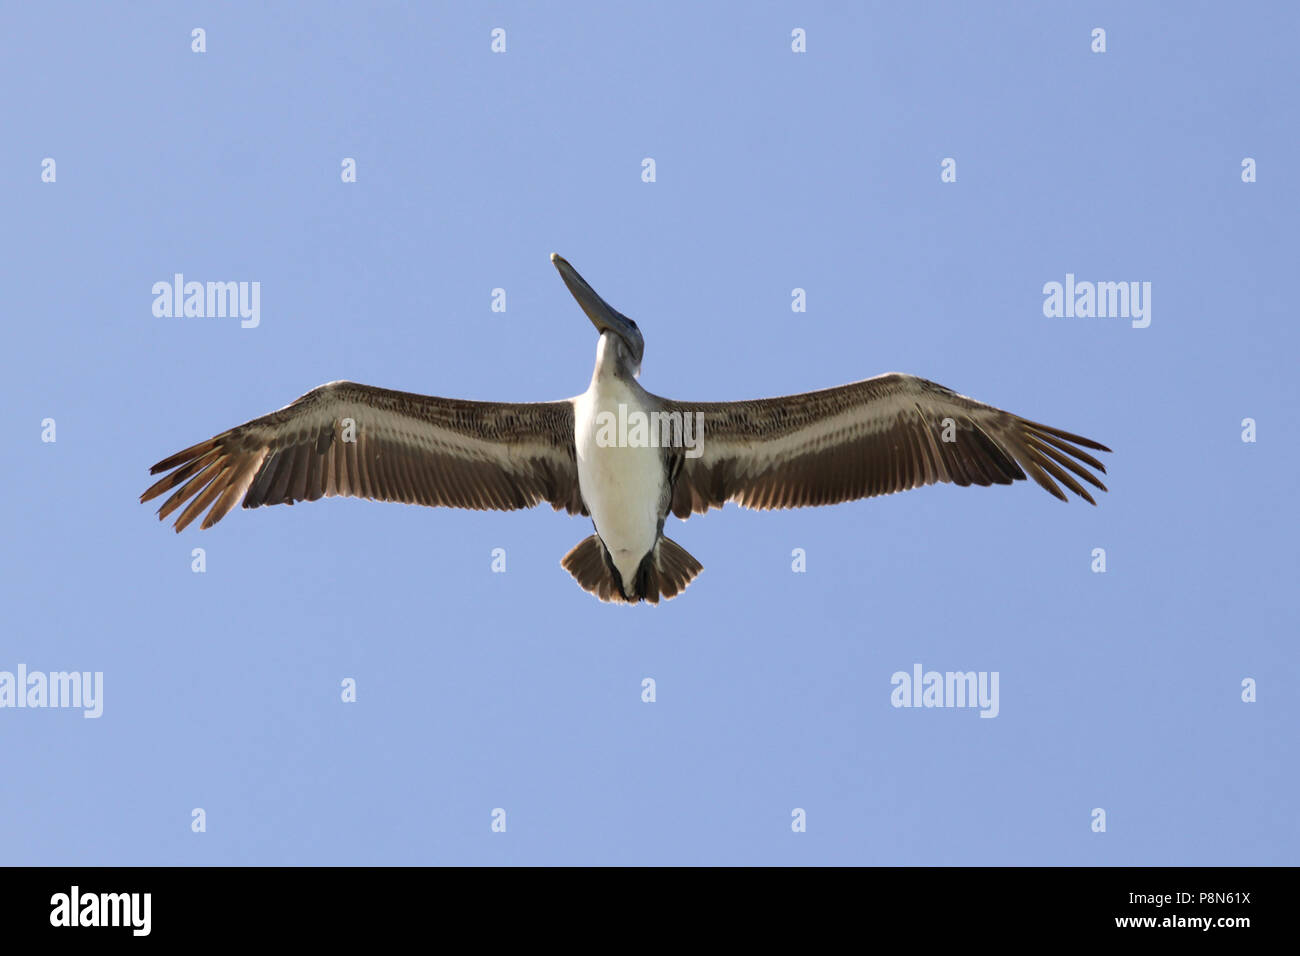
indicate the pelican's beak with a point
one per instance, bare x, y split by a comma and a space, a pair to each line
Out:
603, 315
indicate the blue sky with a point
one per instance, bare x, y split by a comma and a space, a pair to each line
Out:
774, 171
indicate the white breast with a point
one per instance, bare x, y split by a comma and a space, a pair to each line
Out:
621, 484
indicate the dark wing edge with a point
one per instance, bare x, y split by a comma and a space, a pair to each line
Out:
874, 437
345, 439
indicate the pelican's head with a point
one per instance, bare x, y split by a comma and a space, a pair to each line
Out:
623, 334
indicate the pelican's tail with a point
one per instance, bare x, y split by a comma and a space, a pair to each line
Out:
664, 572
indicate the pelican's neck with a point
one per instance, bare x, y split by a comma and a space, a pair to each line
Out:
612, 361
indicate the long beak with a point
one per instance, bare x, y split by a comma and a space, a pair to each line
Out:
603, 315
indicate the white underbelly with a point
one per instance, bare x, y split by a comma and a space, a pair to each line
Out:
622, 483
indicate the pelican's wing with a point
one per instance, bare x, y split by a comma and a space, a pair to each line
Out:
874, 437
363, 442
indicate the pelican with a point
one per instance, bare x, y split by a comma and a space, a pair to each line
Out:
620, 455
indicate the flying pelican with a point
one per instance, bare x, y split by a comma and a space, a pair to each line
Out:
595, 455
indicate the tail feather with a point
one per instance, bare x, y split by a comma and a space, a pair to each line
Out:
590, 566
664, 573
672, 569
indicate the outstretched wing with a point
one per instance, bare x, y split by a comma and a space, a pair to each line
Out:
364, 442
874, 437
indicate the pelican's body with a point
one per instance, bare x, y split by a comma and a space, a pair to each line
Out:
873, 437
625, 488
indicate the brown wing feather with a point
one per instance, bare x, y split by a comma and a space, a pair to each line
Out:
412, 448
874, 437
